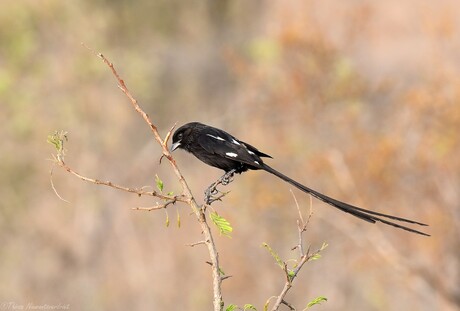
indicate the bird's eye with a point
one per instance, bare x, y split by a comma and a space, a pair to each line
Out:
180, 136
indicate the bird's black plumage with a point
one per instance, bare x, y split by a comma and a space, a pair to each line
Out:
218, 148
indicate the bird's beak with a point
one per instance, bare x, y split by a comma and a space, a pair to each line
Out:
175, 146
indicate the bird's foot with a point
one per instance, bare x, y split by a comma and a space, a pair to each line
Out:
211, 191
212, 194
217, 196
227, 177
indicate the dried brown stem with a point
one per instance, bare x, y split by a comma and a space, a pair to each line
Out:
288, 305
138, 191
156, 207
196, 243
54, 188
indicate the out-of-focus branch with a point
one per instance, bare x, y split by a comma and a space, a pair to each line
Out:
304, 257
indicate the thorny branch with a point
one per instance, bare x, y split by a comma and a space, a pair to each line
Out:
304, 258
156, 207
138, 191
186, 196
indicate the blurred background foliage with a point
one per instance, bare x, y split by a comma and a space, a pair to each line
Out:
357, 99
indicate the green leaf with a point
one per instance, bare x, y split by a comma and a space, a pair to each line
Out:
316, 301
291, 274
167, 220
317, 255
159, 183
274, 255
222, 273
324, 246
170, 193
178, 219
231, 307
249, 307
267, 303
222, 224
57, 140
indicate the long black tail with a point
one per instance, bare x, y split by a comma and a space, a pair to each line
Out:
362, 213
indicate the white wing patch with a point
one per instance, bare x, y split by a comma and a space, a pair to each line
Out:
256, 162
235, 141
216, 137
231, 154
250, 152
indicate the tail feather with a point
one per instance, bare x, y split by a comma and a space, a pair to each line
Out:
364, 214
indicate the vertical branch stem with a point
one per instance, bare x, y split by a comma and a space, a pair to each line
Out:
197, 210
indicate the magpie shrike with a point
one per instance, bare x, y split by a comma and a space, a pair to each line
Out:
218, 148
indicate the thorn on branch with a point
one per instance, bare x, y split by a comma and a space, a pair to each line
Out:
287, 304
161, 158
196, 243
226, 277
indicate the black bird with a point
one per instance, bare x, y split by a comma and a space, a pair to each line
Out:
218, 148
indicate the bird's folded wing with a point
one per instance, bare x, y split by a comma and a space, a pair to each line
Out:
229, 147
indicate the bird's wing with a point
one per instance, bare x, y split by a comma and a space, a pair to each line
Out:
255, 150
227, 146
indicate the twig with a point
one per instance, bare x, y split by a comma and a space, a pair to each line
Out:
196, 243
156, 207
52, 185
304, 257
187, 194
213, 198
165, 141
226, 277
290, 278
297, 205
168, 135
288, 305
137, 191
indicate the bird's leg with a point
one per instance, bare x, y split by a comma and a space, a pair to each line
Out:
211, 193
227, 177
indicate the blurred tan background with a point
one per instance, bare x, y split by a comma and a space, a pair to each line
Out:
357, 99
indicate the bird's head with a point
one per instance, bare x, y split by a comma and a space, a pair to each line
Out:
183, 136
